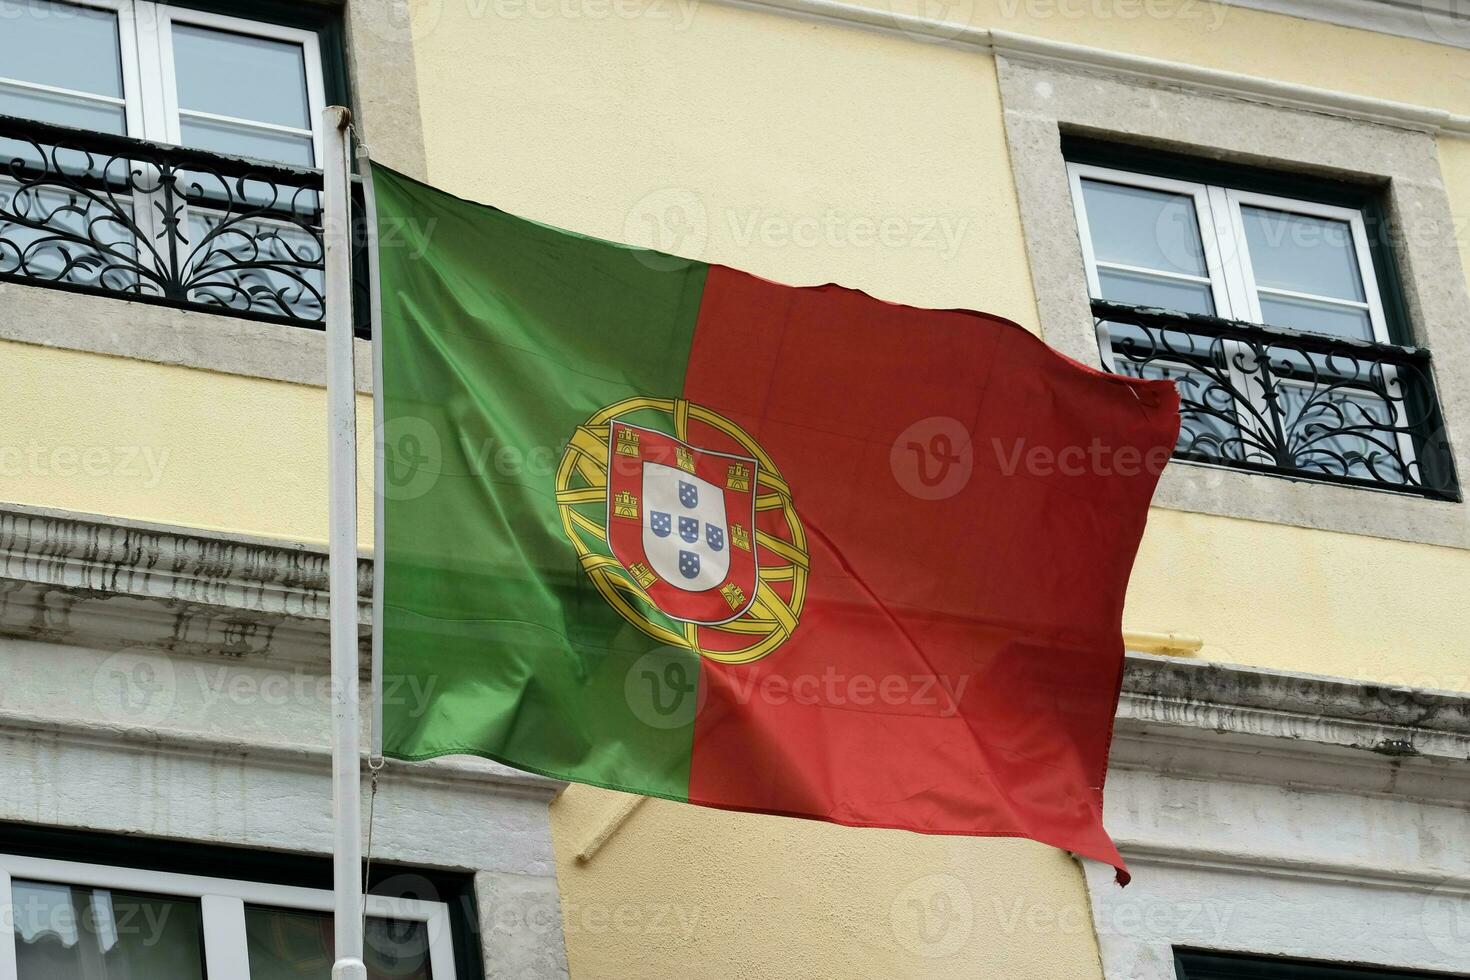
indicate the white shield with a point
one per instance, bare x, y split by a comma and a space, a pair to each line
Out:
684, 532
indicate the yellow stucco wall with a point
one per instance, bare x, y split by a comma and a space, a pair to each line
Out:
783, 146
781, 143
153, 442
705, 893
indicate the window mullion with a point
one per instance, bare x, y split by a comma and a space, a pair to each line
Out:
441, 945
132, 84
226, 953
148, 201
1084, 231
1230, 240
1369, 277
1259, 416
154, 81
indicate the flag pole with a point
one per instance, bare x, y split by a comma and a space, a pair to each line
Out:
342, 544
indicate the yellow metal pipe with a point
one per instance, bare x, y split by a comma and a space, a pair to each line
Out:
1172, 644
626, 807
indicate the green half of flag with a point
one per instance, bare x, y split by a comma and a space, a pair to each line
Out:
501, 337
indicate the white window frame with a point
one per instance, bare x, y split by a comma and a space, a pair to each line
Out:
150, 97
1231, 276
1250, 308
222, 904
127, 52
1222, 234
156, 48
1215, 253
1215, 279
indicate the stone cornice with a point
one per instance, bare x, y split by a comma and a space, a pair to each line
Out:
110, 583
140, 558
113, 583
1171, 691
1441, 28
1249, 725
116, 582
464, 772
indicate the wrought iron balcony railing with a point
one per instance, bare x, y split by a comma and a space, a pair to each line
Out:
100, 213
1292, 404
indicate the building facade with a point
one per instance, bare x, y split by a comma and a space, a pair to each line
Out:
1264, 200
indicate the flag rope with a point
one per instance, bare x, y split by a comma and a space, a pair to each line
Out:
375, 766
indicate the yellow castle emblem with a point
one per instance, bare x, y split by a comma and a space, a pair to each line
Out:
739, 537
642, 574
625, 505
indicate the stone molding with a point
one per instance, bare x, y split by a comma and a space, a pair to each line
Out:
251, 766
69, 578
111, 583
1060, 54
1250, 725
1284, 815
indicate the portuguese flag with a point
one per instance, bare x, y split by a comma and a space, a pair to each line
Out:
672, 529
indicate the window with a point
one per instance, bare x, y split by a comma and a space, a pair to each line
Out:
1189, 965
164, 73
1216, 250
230, 220
71, 921
1268, 312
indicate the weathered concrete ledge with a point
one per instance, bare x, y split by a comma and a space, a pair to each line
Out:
117, 583
1192, 719
114, 584
84, 582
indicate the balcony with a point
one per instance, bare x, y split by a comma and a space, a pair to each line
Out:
96, 213
1299, 405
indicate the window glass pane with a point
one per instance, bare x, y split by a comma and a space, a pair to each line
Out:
244, 77
286, 944
1147, 228
52, 234
64, 110
1341, 432
61, 45
66, 932
246, 142
1304, 314
255, 264
1208, 425
1146, 290
1302, 253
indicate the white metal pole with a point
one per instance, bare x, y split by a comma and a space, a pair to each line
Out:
342, 541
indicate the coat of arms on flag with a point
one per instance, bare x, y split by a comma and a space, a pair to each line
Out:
679, 520
697, 546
